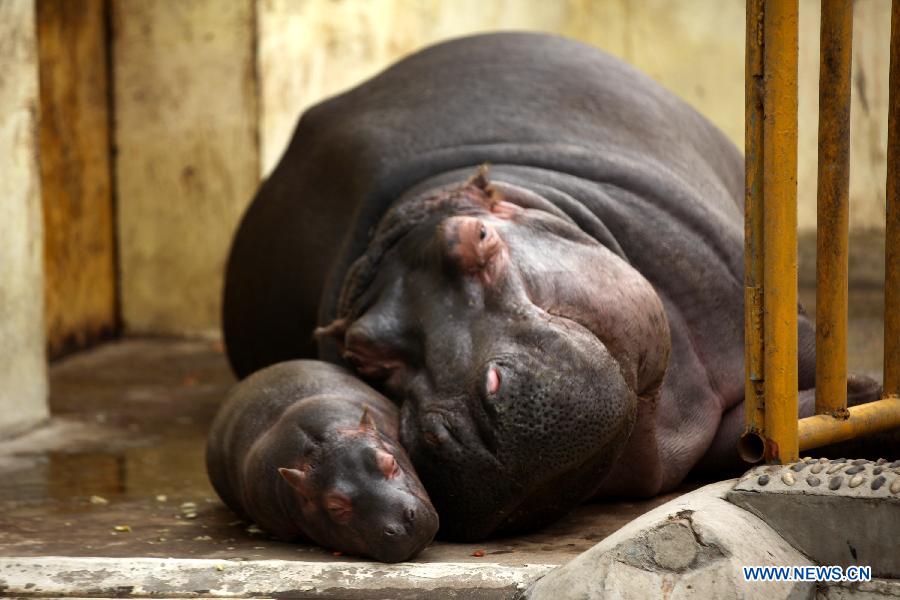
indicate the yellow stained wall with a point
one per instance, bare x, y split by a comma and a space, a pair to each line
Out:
868, 113
311, 50
187, 158
79, 241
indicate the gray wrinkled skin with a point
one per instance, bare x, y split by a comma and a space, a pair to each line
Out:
569, 325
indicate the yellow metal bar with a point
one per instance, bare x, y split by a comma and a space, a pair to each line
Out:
754, 407
833, 208
892, 233
780, 222
864, 419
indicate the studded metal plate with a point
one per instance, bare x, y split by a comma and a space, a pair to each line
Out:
821, 476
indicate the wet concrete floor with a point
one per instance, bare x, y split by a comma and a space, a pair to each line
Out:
119, 471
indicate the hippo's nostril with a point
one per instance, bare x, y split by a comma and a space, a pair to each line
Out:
410, 514
394, 530
436, 429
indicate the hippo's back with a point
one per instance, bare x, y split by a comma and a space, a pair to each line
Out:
515, 99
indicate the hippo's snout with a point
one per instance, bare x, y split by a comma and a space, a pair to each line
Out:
409, 526
405, 537
395, 531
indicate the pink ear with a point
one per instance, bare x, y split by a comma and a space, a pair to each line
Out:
295, 478
480, 179
335, 330
367, 422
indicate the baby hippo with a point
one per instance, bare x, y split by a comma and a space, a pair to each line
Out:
306, 450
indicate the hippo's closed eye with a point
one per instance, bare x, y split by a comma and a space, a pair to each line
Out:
474, 246
387, 464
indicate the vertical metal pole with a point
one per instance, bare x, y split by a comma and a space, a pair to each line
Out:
833, 208
751, 446
780, 222
892, 229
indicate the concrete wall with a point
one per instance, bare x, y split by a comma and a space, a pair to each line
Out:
76, 186
206, 95
310, 50
196, 123
23, 378
868, 139
187, 161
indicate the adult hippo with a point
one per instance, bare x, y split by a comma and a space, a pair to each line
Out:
569, 323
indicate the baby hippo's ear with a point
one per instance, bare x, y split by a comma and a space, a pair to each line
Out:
297, 479
367, 422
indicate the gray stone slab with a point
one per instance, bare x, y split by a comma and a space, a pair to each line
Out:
877, 589
691, 547
850, 516
851, 478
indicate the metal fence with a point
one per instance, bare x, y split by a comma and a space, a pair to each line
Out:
773, 431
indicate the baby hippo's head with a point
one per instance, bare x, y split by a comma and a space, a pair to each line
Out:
359, 493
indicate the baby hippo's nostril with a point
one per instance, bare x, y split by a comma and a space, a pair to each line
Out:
410, 514
394, 530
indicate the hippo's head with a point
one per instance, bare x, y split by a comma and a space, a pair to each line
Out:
359, 492
517, 345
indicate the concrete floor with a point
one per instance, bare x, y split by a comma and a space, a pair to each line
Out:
119, 473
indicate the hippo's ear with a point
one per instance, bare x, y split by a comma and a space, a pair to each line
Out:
335, 330
367, 422
489, 195
297, 479
480, 179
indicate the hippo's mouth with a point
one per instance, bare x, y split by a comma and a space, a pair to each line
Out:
439, 432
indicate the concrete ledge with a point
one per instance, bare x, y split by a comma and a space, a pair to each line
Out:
691, 547
837, 512
54, 576
877, 589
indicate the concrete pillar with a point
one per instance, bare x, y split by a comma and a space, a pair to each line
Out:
23, 372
